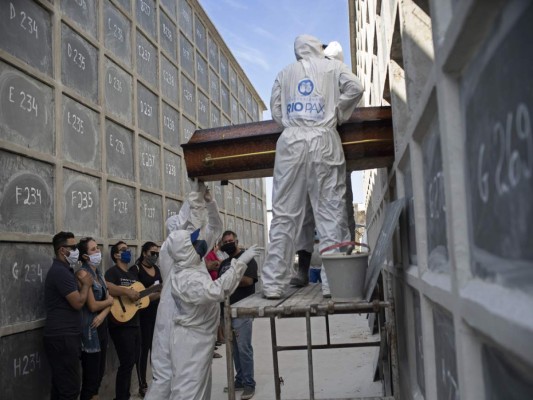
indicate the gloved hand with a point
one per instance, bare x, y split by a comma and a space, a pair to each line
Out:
197, 185
208, 197
249, 254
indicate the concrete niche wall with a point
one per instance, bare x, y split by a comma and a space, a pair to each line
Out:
96, 97
455, 75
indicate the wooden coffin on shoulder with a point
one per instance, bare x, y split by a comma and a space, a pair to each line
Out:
248, 150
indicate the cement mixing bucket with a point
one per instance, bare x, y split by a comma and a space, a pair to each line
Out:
346, 275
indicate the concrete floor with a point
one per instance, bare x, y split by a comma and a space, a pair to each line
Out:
338, 373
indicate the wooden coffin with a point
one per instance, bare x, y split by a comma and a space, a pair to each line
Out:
248, 150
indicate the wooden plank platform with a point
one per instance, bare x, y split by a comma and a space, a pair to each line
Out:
297, 302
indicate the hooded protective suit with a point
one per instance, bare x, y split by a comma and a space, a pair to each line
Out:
309, 98
306, 237
197, 316
194, 213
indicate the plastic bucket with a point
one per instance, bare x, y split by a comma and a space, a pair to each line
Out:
346, 275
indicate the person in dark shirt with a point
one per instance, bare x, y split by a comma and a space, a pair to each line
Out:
126, 336
62, 329
243, 352
148, 274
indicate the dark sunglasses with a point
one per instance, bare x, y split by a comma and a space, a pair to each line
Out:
154, 254
71, 246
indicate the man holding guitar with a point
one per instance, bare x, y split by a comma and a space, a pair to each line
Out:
149, 275
125, 335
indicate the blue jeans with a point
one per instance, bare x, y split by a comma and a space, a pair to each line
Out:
243, 352
314, 275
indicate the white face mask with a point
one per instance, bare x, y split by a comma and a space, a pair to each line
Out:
95, 259
72, 257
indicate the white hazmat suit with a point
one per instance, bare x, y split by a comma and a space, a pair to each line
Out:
309, 98
197, 316
195, 213
305, 239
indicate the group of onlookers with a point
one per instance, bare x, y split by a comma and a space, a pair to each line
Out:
77, 324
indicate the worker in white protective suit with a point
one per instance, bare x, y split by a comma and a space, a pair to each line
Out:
198, 211
304, 242
197, 316
309, 98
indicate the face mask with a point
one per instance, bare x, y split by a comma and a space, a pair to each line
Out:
151, 261
201, 247
95, 259
229, 248
73, 256
125, 256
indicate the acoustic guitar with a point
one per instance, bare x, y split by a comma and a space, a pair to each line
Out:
123, 309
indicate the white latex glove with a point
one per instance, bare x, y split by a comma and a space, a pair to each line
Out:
249, 254
197, 186
207, 196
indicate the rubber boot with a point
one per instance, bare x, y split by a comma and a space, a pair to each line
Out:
302, 277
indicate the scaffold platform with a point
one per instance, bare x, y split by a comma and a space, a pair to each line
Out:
308, 302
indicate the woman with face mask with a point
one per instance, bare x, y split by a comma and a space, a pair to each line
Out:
94, 337
149, 275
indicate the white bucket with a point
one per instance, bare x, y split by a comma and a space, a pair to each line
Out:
346, 275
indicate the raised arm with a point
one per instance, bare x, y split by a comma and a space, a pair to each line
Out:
195, 287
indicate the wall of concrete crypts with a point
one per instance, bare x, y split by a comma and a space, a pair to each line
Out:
95, 99
461, 262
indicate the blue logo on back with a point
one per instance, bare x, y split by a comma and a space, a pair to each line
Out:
305, 87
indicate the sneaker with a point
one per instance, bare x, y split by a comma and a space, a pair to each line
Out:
272, 295
238, 387
248, 393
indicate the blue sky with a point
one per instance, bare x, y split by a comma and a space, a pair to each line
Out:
260, 34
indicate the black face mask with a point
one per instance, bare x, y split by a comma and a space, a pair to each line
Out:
201, 247
229, 248
150, 261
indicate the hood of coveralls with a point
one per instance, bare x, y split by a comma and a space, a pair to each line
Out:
185, 254
307, 46
199, 244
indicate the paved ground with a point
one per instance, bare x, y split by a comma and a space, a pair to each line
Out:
339, 373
